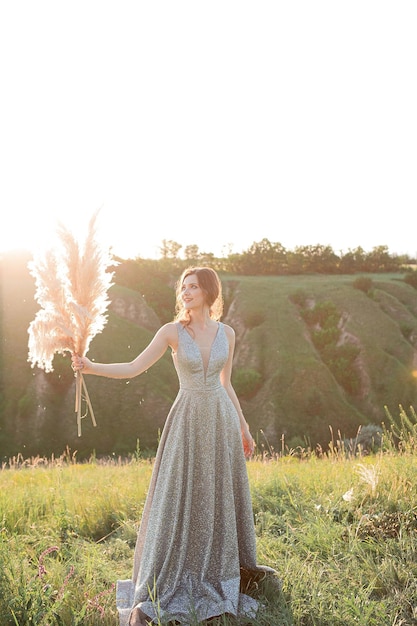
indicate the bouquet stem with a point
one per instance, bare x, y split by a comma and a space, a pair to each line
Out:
80, 386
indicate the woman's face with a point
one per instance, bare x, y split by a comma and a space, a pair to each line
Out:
191, 293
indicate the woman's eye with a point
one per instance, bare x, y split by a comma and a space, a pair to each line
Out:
189, 287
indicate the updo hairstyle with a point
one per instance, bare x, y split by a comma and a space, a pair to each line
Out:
212, 288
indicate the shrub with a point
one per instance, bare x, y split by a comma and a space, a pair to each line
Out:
299, 298
367, 440
246, 382
363, 283
253, 319
340, 361
324, 314
324, 337
407, 330
411, 278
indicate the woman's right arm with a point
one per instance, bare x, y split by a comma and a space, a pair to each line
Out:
166, 336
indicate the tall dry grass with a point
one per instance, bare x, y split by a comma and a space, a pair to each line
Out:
340, 529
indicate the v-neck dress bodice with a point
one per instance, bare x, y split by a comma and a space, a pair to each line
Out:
193, 372
197, 526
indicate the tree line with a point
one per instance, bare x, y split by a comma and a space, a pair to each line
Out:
272, 258
154, 278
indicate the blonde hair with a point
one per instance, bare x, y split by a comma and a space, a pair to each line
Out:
210, 283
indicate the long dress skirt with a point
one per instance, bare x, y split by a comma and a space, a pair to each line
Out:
197, 527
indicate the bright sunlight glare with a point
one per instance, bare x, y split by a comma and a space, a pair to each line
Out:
216, 124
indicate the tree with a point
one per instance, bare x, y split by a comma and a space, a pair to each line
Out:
169, 249
316, 258
264, 257
379, 260
191, 252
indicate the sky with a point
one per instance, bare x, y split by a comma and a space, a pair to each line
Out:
214, 124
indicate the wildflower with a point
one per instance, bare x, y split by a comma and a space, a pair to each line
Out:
348, 496
94, 603
41, 566
65, 583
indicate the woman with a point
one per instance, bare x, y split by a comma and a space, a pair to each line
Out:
197, 529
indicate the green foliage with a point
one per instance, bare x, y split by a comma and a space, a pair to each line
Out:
323, 320
246, 382
311, 259
363, 283
341, 362
26, 406
402, 431
52, 586
265, 258
368, 440
325, 337
153, 280
62, 377
252, 319
324, 314
407, 329
411, 278
299, 298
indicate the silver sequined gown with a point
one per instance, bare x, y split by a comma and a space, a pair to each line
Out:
197, 526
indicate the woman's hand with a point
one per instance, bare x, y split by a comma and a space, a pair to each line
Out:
81, 364
248, 442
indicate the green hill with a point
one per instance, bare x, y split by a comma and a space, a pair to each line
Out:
313, 352
339, 371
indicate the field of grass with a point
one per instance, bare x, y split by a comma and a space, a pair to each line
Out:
341, 531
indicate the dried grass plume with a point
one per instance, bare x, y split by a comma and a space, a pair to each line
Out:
72, 283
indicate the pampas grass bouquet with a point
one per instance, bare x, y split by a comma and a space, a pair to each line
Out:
72, 280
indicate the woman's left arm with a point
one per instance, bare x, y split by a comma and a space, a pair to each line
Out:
226, 380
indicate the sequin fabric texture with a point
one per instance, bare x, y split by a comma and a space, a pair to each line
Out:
197, 527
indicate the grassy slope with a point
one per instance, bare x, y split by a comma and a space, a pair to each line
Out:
299, 396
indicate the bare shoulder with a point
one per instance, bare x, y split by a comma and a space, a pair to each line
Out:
169, 333
230, 333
